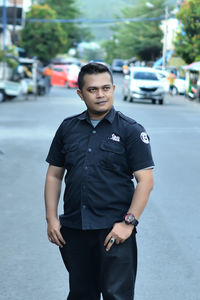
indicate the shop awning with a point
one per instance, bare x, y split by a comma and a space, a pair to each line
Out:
195, 66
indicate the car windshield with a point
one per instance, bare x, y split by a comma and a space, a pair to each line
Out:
118, 63
58, 69
145, 76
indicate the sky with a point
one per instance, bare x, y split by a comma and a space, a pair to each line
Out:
27, 3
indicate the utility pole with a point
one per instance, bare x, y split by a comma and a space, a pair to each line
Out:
14, 22
4, 26
4, 38
165, 38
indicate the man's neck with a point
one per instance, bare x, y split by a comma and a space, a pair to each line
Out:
97, 116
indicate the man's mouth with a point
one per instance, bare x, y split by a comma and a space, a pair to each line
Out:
101, 102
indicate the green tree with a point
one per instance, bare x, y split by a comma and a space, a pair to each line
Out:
141, 39
187, 42
68, 10
43, 40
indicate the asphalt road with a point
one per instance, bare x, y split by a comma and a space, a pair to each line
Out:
168, 233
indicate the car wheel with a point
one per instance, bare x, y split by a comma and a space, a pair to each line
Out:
2, 96
153, 101
130, 99
161, 101
41, 91
125, 98
66, 84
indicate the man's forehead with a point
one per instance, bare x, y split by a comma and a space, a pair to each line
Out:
97, 79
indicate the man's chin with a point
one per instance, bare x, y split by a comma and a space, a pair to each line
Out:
101, 112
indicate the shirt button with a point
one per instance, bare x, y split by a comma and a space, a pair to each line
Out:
94, 131
89, 150
84, 206
85, 167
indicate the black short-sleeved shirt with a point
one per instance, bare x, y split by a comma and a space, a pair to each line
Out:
99, 165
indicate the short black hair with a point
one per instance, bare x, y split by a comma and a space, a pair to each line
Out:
92, 68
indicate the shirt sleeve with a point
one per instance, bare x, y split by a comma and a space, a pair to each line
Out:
55, 156
138, 148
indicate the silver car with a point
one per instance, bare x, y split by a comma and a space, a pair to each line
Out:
143, 83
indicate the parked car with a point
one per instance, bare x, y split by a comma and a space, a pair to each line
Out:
12, 83
72, 76
143, 83
179, 83
65, 75
59, 75
117, 65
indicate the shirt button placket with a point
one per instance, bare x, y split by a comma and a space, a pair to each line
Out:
84, 193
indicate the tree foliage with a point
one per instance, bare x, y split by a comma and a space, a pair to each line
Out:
141, 39
187, 42
43, 40
67, 10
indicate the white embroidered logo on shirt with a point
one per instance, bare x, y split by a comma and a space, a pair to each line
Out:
144, 137
115, 138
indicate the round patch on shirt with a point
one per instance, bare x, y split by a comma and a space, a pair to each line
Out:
144, 137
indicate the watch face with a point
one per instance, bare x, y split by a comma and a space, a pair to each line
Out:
129, 218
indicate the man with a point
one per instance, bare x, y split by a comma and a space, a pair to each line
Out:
100, 150
171, 79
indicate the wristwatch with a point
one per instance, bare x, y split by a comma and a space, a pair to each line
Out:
130, 219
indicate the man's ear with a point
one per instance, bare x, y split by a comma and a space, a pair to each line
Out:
80, 94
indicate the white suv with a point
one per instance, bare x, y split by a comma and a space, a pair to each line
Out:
143, 83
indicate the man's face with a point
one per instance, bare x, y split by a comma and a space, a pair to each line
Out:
98, 94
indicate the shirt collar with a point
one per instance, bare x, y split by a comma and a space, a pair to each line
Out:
110, 116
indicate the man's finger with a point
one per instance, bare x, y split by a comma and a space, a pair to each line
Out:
60, 237
107, 239
57, 241
110, 243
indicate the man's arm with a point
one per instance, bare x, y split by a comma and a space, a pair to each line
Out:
52, 194
121, 231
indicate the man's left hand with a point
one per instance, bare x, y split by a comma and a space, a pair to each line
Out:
119, 233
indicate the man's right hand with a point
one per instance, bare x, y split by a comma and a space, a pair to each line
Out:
53, 232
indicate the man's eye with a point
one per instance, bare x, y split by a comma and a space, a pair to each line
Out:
106, 88
92, 90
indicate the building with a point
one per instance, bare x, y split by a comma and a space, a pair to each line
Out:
14, 21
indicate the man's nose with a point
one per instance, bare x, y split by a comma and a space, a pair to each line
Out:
100, 93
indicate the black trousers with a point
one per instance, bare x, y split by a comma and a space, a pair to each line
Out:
93, 270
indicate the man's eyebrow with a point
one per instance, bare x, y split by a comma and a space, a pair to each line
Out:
92, 87
108, 84
97, 87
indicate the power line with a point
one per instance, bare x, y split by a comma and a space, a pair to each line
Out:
93, 21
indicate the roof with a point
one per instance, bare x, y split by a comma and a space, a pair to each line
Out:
195, 66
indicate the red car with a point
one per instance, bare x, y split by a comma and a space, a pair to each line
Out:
65, 75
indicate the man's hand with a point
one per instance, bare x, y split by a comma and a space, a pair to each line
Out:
120, 232
53, 232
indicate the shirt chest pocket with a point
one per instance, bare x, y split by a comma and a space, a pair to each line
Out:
70, 152
112, 153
